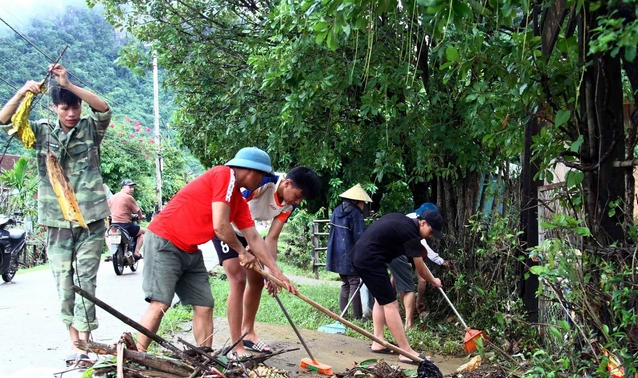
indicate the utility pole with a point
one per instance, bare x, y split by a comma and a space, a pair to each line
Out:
158, 158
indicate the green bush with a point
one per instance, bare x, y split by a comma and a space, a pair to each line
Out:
596, 294
298, 238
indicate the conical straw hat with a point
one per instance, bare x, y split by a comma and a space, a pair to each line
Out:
356, 193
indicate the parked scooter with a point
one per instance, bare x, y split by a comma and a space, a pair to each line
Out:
13, 244
122, 247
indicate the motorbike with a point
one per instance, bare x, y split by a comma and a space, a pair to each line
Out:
122, 247
13, 244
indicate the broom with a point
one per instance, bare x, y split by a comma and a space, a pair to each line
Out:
337, 327
471, 335
307, 363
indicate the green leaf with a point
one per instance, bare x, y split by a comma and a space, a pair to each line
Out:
452, 54
332, 40
538, 269
461, 9
446, 65
321, 36
576, 144
562, 116
320, 26
564, 325
574, 178
434, 9
630, 53
555, 332
582, 231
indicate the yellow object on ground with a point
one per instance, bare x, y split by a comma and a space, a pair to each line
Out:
472, 364
614, 366
20, 119
64, 191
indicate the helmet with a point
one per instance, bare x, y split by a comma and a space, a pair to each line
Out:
127, 182
426, 206
252, 158
356, 193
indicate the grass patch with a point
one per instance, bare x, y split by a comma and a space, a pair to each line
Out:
302, 313
33, 269
293, 270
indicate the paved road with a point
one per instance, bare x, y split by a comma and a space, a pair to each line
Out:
34, 340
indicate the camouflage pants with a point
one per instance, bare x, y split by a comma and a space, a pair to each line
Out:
74, 257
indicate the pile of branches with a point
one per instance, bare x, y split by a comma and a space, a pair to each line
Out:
192, 362
381, 369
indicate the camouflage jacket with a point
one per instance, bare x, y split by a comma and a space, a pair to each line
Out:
78, 152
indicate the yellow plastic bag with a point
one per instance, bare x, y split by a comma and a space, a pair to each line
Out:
20, 119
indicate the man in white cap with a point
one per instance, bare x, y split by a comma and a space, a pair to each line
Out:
201, 210
123, 206
346, 226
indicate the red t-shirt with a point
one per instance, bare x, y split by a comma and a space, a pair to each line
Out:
187, 219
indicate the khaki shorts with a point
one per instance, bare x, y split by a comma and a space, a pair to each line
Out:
169, 271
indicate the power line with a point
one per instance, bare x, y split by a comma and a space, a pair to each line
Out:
9, 84
26, 39
105, 97
12, 15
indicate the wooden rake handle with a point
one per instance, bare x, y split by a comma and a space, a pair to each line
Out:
334, 316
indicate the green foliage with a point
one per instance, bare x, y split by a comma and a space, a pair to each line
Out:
397, 199
129, 151
596, 306
364, 112
22, 184
298, 238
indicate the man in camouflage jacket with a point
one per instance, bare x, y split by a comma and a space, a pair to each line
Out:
73, 252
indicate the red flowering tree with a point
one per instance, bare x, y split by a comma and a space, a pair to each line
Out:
128, 152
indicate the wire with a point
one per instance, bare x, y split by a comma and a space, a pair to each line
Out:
26, 39
102, 95
12, 15
9, 84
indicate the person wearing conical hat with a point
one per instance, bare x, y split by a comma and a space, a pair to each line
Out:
346, 226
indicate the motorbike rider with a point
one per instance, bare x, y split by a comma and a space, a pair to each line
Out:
123, 206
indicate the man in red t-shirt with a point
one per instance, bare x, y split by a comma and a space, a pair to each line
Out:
201, 210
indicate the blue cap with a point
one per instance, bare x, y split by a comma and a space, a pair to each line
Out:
426, 206
252, 158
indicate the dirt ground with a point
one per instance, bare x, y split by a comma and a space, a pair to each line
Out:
338, 351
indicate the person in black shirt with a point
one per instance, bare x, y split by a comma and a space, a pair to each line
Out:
391, 236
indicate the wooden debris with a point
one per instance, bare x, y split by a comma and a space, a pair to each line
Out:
144, 365
192, 362
164, 364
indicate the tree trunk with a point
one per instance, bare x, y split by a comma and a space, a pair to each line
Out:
529, 220
601, 106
